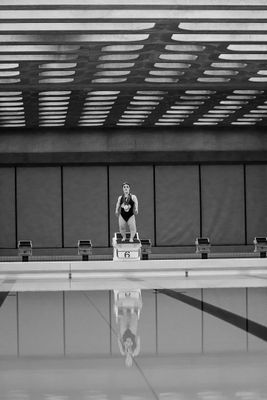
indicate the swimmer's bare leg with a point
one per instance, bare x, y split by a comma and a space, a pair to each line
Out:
122, 227
132, 227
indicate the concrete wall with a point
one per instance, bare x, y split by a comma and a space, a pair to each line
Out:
97, 145
83, 323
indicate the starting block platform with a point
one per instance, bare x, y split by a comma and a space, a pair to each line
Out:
126, 250
127, 299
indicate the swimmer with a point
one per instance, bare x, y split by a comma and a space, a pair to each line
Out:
126, 209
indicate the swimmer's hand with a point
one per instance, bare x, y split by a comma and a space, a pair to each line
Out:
117, 213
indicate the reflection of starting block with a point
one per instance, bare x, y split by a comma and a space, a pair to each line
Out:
123, 251
127, 299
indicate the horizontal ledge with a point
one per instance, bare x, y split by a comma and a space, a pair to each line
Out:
106, 266
133, 157
150, 274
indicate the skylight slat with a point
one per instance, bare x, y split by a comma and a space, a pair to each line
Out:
224, 26
238, 37
74, 14
63, 38
81, 26
136, 2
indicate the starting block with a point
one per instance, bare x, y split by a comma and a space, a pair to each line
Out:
126, 251
127, 299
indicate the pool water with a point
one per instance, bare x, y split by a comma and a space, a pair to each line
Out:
196, 344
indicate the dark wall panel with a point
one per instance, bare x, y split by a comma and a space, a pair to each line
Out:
141, 180
87, 322
7, 208
256, 191
257, 300
40, 319
85, 205
179, 325
219, 335
177, 205
223, 217
8, 326
39, 205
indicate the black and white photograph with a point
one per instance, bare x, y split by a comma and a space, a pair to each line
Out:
133, 199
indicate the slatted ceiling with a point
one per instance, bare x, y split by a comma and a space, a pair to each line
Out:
135, 2
69, 63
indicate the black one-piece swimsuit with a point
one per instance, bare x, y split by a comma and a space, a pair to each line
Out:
126, 215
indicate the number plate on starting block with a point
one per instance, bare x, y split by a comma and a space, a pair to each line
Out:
128, 254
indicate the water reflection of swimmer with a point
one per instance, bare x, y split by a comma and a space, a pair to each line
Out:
127, 308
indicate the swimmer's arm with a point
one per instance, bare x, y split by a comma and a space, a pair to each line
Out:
137, 349
118, 206
135, 203
120, 347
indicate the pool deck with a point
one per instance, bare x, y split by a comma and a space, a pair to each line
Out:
142, 274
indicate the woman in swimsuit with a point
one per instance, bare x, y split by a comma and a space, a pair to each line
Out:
126, 209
